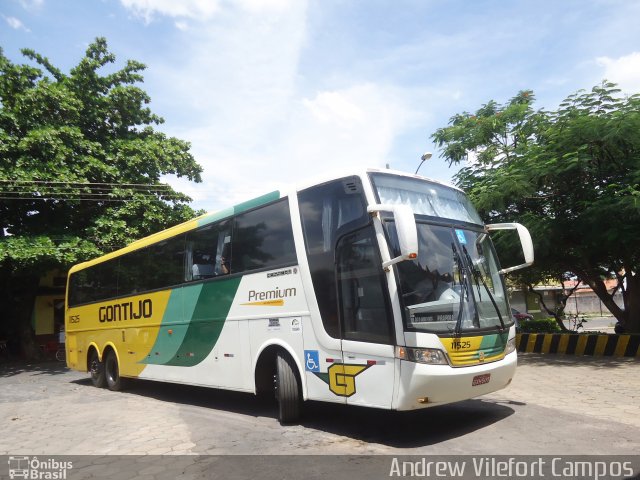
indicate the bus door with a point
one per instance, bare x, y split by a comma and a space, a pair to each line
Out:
366, 376
351, 295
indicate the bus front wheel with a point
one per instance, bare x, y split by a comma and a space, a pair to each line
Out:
96, 369
112, 371
287, 390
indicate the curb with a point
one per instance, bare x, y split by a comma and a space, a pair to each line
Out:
579, 344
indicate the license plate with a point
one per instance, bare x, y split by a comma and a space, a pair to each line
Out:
481, 379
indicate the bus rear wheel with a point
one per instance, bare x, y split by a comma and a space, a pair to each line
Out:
287, 389
96, 369
112, 371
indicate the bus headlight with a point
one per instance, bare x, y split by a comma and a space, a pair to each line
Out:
511, 346
431, 356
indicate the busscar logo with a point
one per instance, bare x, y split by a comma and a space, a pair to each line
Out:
280, 273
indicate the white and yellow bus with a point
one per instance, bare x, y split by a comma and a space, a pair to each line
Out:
379, 289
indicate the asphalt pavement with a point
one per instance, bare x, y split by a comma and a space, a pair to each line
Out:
555, 405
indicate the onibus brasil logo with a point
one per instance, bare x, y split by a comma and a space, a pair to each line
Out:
33, 468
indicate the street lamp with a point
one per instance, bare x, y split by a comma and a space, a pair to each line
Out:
424, 158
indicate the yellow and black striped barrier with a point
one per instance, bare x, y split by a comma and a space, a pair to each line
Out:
580, 344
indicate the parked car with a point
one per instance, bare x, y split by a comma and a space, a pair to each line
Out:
520, 317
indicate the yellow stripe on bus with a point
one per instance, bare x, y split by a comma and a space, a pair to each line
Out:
266, 303
130, 324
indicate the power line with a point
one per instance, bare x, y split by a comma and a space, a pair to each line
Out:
87, 191
81, 199
43, 190
82, 188
91, 194
52, 182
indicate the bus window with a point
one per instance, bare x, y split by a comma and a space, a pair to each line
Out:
263, 238
133, 272
223, 252
166, 263
202, 251
327, 212
364, 309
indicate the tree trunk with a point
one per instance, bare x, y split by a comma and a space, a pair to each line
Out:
557, 313
629, 317
632, 313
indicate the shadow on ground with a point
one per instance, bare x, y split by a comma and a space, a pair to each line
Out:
395, 429
560, 360
11, 369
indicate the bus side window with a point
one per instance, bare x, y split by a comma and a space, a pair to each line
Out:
263, 238
223, 253
201, 253
165, 264
361, 285
328, 211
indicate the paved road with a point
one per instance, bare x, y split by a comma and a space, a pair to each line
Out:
555, 405
596, 324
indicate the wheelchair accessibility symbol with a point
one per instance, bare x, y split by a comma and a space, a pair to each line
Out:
311, 361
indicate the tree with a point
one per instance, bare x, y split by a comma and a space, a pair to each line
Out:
80, 169
572, 176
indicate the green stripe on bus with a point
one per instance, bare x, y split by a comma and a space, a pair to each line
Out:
173, 328
256, 202
494, 344
210, 311
171, 333
214, 217
241, 207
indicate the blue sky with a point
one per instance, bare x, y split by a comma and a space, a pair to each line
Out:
270, 92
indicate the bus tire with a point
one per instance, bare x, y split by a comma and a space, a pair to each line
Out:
287, 389
112, 371
96, 370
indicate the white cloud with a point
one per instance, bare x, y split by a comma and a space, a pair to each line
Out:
31, 5
257, 6
255, 124
196, 9
182, 25
15, 23
332, 131
201, 10
351, 127
335, 108
625, 71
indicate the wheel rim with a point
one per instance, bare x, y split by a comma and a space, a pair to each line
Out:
94, 367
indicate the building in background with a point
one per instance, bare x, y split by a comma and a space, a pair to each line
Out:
47, 318
583, 300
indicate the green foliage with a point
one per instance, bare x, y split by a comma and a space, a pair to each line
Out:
572, 176
547, 325
80, 169
80, 162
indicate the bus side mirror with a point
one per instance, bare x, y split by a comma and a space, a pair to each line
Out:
525, 241
406, 229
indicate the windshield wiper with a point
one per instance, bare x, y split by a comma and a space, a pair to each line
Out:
464, 288
477, 275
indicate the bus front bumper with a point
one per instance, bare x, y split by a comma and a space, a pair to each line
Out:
423, 386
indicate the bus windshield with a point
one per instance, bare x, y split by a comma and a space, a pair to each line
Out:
425, 198
454, 284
